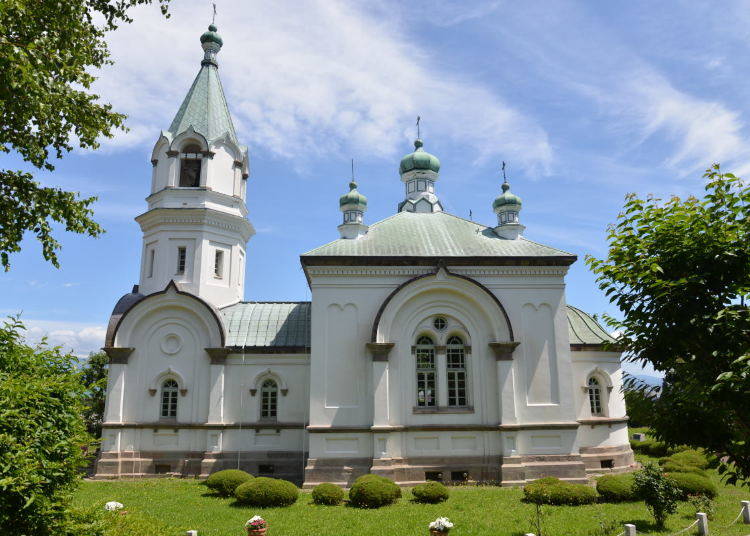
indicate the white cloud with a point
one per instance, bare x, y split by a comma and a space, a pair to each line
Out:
318, 79
76, 337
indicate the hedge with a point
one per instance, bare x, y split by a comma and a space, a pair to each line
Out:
616, 488
328, 494
430, 492
264, 491
691, 484
671, 467
225, 482
691, 458
554, 491
373, 491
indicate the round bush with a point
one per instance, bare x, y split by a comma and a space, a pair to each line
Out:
225, 482
555, 491
672, 467
263, 491
690, 458
327, 493
430, 492
373, 491
691, 484
616, 488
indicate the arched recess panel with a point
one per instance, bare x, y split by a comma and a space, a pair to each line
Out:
539, 354
344, 371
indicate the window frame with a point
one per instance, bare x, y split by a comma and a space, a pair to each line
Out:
269, 400
168, 401
192, 154
181, 260
595, 396
426, 376
218, 263
456, 376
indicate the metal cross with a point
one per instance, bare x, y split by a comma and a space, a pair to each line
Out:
506, 180
213, 19
418, 120
352, 168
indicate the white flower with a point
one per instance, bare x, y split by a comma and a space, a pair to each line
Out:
255, 520
442, 524
113, 505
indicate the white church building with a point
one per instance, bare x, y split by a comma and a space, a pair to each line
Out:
433, 347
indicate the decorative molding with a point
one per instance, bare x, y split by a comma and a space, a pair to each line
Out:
253, 392
366, 271
173, 154
503, 350
380, 350
599, 421
441, 409
269, 374
183, 392
154, 162
443, 427
514, 271
218, 356
152, 392
207, 426
118, 356
480, 260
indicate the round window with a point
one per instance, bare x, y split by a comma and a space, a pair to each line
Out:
440, 323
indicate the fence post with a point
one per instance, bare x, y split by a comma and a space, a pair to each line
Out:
702, 524
745, 512
629, 529
191, 533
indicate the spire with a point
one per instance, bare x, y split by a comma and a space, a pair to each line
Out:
353, 206
205, 106
507, 206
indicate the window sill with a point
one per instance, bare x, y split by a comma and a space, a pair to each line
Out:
442, 409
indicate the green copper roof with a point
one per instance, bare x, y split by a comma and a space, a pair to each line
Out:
353, 197
506, 198
268, 324
583, 329
419, 159
205, 107
435, 234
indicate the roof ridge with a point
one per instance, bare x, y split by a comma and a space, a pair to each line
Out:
546, 246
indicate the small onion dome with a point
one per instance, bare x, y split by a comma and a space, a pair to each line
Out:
507, 199
211, 36
353, 197
419, 159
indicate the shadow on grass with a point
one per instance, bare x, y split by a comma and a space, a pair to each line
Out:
642, 525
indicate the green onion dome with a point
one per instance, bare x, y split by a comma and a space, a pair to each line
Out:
506, 198
419, 159
211, 36
353, 197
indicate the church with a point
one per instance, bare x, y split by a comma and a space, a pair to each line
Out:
433, 347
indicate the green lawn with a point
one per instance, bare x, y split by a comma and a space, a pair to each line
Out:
169, 507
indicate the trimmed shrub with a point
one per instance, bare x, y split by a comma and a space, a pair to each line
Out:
691, 458
692, 484
658, 491
554, 491
616, 488
671, 467
430, 492
264, 491
328, 494
225, 482
373, 491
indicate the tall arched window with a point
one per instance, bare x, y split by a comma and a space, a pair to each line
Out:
169, 399
456, 371
269, 397
595, 396
426, 376
190, 166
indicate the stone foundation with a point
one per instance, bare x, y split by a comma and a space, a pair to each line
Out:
339, 471
601, 460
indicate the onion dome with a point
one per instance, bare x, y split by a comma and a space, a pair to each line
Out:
507, 199
353, 198
211, 36
419, 159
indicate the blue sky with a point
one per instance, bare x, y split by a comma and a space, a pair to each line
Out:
586, 101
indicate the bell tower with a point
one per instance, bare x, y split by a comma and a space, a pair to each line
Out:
196, 229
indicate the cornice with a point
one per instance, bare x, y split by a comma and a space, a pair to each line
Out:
366, 271
194, 216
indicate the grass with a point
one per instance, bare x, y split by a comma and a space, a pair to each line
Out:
169, 507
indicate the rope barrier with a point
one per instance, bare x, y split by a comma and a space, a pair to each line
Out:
736, 519
694, 523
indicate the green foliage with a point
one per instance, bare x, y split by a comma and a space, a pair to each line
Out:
42, 436
430, 492
690, 458
702, 503
639, 404
328, 494
554, 491
679, 271
616, 488
48, 51
225, 482
658, 491
373, 491
692, 484
672, 467
264, 491
94, 377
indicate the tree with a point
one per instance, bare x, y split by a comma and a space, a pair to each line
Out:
658, 491
43, 435
47, 53
679, 271
94, 377
639, 404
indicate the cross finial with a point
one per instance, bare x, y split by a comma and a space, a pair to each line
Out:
504, 178
213, 19
352, 168
418, 133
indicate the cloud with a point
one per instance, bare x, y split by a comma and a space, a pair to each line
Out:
76, 337
323, 78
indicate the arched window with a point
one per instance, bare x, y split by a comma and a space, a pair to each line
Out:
426, 376
595, 396
169, 399
190, 166
456, 371
269, 397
